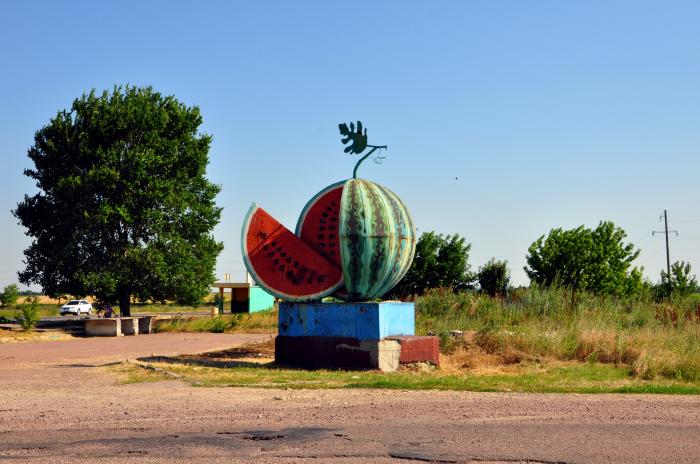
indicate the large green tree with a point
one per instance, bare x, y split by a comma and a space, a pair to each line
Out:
595, 260
124, 208
441, 261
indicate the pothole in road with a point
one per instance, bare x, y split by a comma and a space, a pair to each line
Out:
263, 437
444, 460
255, 436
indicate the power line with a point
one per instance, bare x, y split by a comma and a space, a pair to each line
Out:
665, 232
685, 221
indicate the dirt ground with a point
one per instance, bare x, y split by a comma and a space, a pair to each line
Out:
58, 405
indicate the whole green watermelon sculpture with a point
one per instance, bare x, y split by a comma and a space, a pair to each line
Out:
354, 240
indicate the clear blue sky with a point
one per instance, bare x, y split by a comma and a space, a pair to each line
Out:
548, 113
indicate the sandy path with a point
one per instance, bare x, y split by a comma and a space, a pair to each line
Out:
55, 408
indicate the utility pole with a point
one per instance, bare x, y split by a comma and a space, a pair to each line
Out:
665, 232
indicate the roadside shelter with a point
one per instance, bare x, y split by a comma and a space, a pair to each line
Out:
245, 297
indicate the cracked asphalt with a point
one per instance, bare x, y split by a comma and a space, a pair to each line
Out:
56, 406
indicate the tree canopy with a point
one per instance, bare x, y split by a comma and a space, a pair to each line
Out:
123, 208
9, 295
494, 277
680, 282
595, 260
441, 261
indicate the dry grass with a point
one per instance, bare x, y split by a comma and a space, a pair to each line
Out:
19, 336
654, 340
250, 366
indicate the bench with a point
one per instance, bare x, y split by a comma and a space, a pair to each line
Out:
118, 326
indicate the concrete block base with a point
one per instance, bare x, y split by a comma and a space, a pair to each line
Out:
130, 325
361, 335
317, 352
362, 321
103, 328
145, 324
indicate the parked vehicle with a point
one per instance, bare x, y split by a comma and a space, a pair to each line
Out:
76, 307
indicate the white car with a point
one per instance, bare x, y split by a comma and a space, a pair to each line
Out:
76, 307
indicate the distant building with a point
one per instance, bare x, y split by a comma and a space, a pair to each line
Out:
245, 297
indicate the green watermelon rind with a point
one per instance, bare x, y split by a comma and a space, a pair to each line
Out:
375, 261
258, 280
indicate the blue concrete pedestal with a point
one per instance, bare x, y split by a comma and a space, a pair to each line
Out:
356, 335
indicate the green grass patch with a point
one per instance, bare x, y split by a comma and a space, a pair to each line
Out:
153, 308
45, 310
258, 322
533, 378
49, 310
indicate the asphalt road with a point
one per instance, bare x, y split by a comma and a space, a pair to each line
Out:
57, 407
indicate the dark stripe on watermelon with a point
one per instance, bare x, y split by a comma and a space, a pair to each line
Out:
352, 244
405, 245
380, 238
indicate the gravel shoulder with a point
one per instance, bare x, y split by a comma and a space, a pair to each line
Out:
60, 406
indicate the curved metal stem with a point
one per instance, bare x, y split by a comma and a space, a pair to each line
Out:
374, 148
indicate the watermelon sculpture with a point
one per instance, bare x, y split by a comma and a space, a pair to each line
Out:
354, 240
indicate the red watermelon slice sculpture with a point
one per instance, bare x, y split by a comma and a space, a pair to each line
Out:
282, 264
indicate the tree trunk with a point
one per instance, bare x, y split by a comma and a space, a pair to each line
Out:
124, 303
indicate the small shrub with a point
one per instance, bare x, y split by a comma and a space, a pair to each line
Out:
28, 315
219, 324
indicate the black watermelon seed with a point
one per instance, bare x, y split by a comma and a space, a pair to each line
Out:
276, 262
323, 221
325, 214
282, 267
333, 219
331, 227
265, 247
320, 236
271, 254
322, 245
321, 228
274, 243
332, 253
279, 248
332, 244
